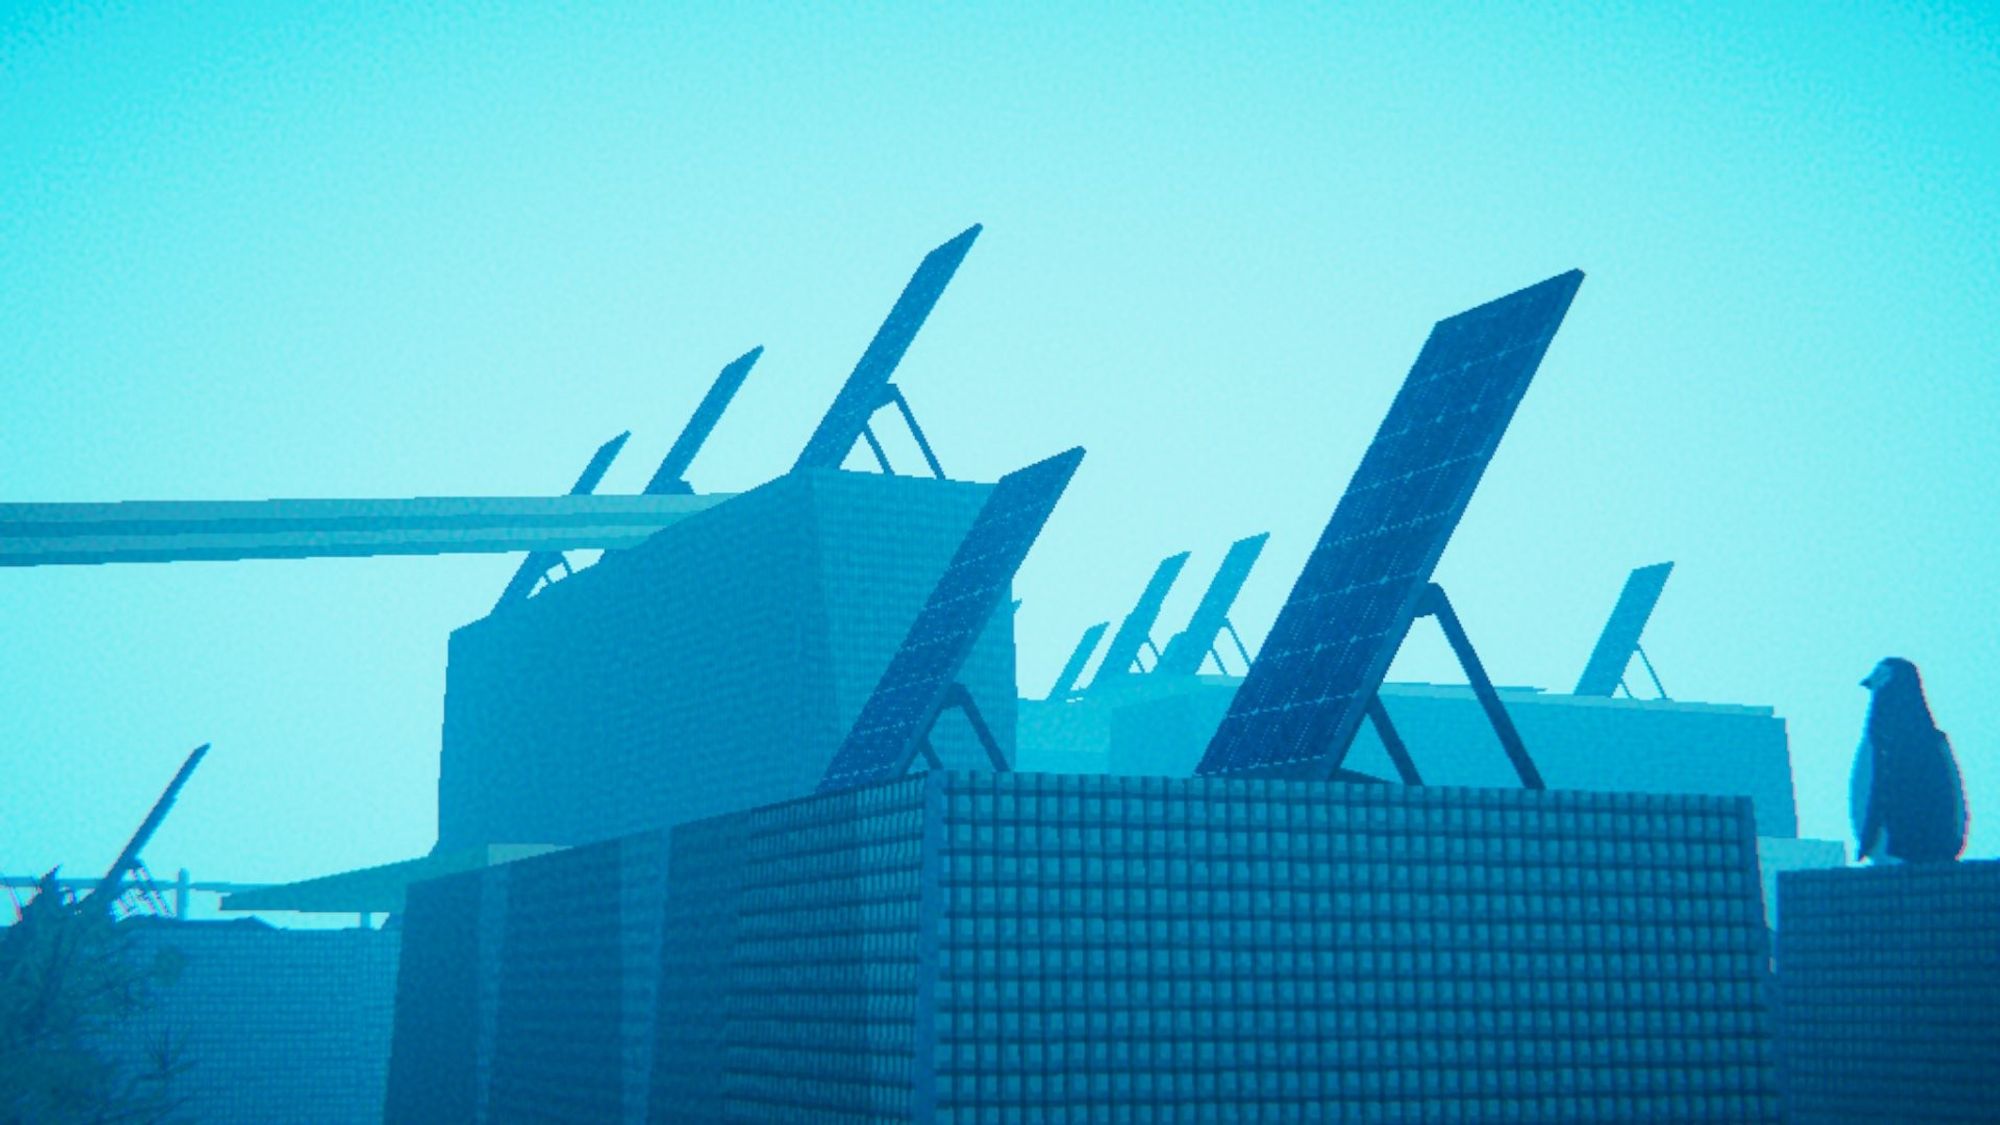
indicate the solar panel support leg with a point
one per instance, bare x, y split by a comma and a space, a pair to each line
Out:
957, 696
1217, 657
1657, 686
1399, 753
1234, 636
895, 396
1435, 604
881, 458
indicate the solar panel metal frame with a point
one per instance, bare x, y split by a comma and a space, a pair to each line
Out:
671, 477
1370, 572
1620, 636
1137, 627
1073, 667
538, 563
895, 721
867, 387
1189, 647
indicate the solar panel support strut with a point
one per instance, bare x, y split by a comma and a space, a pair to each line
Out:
1435, 604
1238, 638
957, 696
1399, 753
895, 396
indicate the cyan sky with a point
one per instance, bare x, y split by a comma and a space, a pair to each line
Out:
256, 251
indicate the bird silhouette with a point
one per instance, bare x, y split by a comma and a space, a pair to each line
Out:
1905, 794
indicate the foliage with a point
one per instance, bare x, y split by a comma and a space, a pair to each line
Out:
68, 975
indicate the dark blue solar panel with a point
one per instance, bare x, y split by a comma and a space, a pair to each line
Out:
907, 699
865, 389
1621, 631
1326, 654
1073, 668
538, 562
1138, 624
1187, 648
671, 477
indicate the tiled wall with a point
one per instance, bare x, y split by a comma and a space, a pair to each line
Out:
1158, 950
273, 1025
1889, 984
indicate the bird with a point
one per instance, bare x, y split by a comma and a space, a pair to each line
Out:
1905, 794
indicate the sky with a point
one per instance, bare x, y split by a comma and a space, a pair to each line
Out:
273, 251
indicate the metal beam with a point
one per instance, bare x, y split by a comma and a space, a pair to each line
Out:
140, 531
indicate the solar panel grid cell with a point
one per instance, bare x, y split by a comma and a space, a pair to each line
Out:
1361, 587
1137, 626
1186, 650
866, 388
907, 699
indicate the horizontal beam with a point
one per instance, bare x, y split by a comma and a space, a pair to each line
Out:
144, 531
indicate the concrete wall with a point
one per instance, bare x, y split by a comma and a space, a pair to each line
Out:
714, 668
273, 1025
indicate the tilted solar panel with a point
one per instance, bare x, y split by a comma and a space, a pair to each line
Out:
538, 563
866, 388
897, 718
671, 477
1326, 654
1137, 627
1073, 668
1185, 651
1621, 631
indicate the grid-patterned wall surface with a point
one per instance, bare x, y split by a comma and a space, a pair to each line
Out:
1889, 986
1606, 745
794, 962
433, 1064
273, 1024
1097, 949
715, 667
528, 989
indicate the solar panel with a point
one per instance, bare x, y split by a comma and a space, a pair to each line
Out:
1621, 631
1085, 645
866, 390
897, 718
538, 562
1353, 603
671, 477
1137, 627
1187, 648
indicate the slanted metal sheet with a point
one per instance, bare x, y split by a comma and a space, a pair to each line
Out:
1185, 651
1352, 605
539, 563
1620, 637
671, 477
1073, 668
866, 388
898, 716
1138, 625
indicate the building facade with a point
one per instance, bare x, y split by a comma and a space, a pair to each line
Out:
971, 948
712, 668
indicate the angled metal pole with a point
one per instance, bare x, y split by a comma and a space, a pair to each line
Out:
130, 856
895, 395
1399, 754
1435, 604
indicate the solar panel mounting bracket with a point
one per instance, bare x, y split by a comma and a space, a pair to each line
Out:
1434, 603
892, 395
